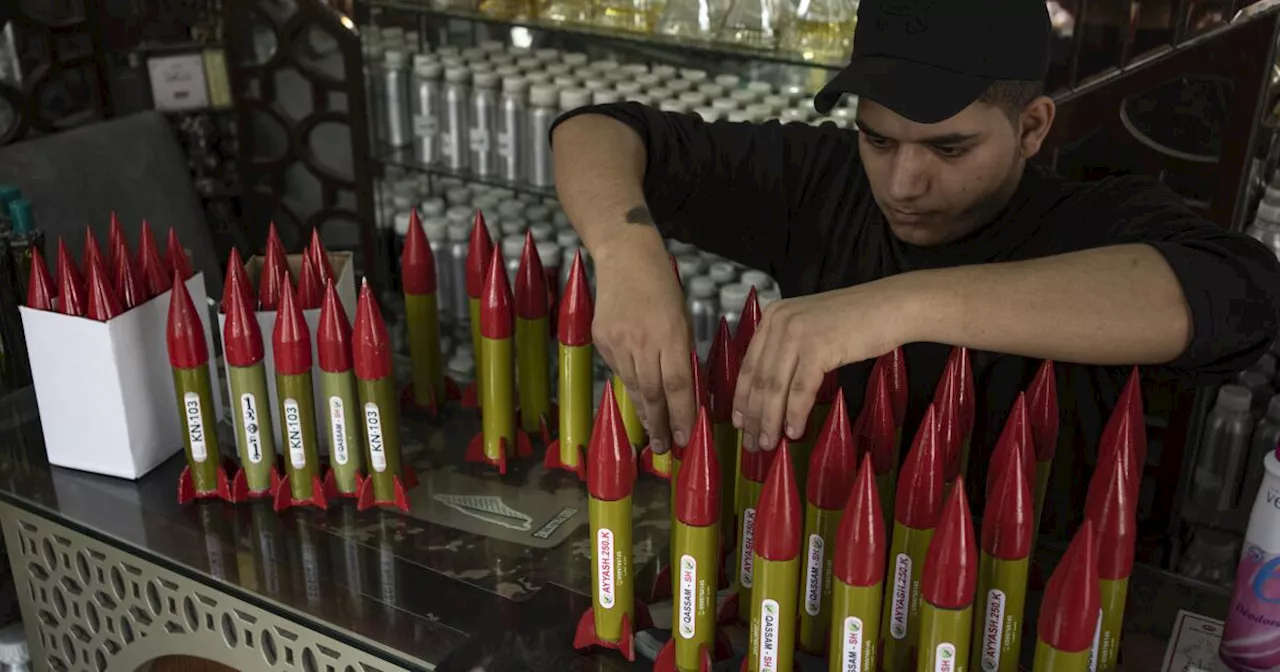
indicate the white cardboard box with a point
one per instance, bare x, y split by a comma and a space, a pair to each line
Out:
346, 285
105, 389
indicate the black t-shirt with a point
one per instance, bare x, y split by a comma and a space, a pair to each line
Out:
793, 200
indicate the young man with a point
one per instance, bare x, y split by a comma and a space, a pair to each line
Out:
929, 229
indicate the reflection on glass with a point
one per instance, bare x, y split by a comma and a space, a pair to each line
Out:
822, 30
754, 23
266, 537
309, 557
214, 531
349, 560
567, 11
635, 15
693, 18
388, 585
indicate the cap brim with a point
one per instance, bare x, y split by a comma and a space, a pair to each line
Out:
923, 93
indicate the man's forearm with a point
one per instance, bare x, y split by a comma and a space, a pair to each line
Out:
599, 168
1111, 305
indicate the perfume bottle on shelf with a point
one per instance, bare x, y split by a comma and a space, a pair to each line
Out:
636, 15
695, 19
822, 30
567, 11
755, 23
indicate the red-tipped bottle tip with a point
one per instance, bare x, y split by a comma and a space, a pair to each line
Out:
918, 501
611, 463
320, 257
496, 320
40, 288
155, 272
310, 291
723, 364
70, 284
1015, 438
833, 463
1118, 435
1010, 514
1069, 612
1044, 411
178, 257
964, 370
876, 423
778, 527
238, 280
333, 334
115, 241
372, 346
291, 340
698, 481
417, 263
1111, 505
128, 285
896, 367
1137, 417
830, 383
185, 332
91, 249
950, 428
479, 253
861, 538
747, 323
102, 303
700, 396
573, 325
950, 575
531, 283
241, 335
273, 276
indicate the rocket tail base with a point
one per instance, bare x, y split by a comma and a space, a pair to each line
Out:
666, 661
284, 495
646, 463
240, 491
475, 452
585, 636
366, 500
661, 589
331, 490
433, 407
546, 423
187, 490
551, 460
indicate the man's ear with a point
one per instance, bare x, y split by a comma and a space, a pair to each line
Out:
1034, 123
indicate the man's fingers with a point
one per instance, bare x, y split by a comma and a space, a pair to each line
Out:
800, 398
649, 375
677, 383
747, 396
769, 396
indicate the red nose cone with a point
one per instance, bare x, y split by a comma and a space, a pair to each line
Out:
1010, 515
950, 575
1015, 438
700, 395
830, 383
274, 275
91, 249
333, 334
833, 463
573, 326
178, 256
275, 246
755, 464
861, 539
531, 283
950, 428
102, 302
778, 526
310, 293
611, 463
896, 366
241, 336
70, 284
291, 341
127, 284
1069, 613
495, 305
115, 242
479, 253
1137, 418
237, 280
157, 277
372, 346
320, 258
1044, 411
40, 289
417, 263
185, 333
747, 324
698, 482
918, 501
1119, 435
1111, 505
965, 390
876, 423
723, 364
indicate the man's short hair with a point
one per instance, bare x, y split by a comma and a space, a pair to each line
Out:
1011, 95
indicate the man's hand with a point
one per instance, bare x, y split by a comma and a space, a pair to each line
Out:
642, 332
798, 341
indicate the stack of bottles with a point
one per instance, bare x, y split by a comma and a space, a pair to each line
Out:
485, 111
361, 405
20, 240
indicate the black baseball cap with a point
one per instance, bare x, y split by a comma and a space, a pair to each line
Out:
929, 59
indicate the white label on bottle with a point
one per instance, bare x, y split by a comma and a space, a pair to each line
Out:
604, 567
479, 140
688, 595
505, 143
252, 432
769, 619
993, 631
813, 576
373, 428
425, 125
746, 563
944, 658
195, 426
293, 434
851, 651
338, 430
899, 608
1097, 637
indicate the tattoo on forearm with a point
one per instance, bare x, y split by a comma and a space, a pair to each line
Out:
639, 215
